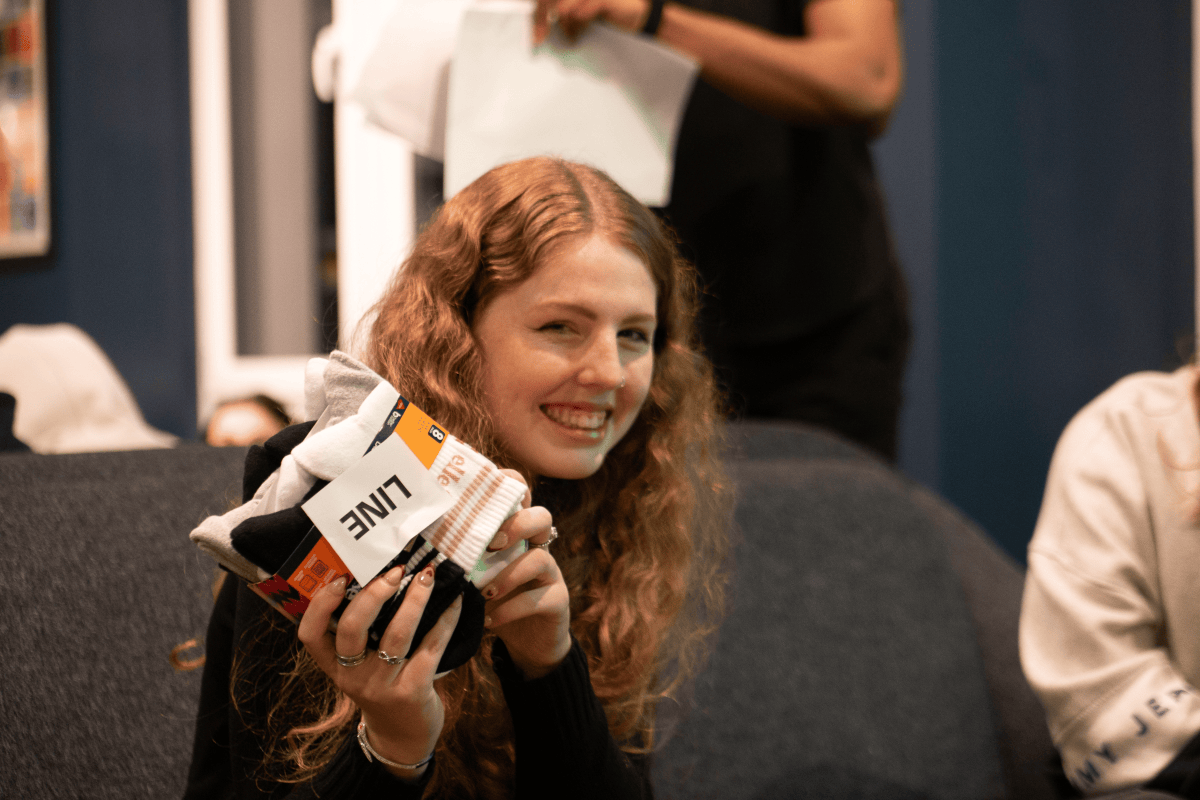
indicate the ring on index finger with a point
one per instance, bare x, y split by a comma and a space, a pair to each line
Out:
553, 535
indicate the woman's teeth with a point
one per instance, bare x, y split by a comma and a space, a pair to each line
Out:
576, 418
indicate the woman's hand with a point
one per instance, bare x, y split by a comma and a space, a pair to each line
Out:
403, 713
528, 605
575, 15
846, 70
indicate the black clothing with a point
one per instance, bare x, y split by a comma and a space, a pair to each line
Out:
9, 443
1182, 775
564, 748
786, 226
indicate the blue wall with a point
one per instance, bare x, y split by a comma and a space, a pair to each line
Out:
1061, 230
907, 165
121, 265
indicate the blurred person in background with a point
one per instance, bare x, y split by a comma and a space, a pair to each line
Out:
776, 201
250, 420
1109, 621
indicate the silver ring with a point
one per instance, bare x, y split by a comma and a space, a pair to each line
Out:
395, 661
553, 535
351, 661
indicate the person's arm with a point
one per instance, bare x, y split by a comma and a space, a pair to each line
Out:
846, 70
1093, 629
219, 758
563, 744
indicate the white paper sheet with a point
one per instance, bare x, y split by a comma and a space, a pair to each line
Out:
403, 83
612, 99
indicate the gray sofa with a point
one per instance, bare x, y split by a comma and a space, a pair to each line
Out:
871, 649
869, 652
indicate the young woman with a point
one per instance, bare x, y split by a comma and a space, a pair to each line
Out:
1110, 616
546, 318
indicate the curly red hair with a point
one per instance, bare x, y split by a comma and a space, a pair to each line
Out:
644, 538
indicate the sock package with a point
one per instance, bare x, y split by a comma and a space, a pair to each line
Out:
270, 542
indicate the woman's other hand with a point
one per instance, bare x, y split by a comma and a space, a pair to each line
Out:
575, 15
846, 70
528, 605
403, 714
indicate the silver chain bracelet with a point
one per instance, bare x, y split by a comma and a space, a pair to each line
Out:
372, 755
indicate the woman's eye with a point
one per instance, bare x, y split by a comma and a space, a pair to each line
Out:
637, 335
555, 327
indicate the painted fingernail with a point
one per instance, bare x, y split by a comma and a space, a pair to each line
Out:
499, 543
338, 585
426, 576
489, 592
394, 575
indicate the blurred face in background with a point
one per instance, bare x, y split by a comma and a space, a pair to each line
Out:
240, 423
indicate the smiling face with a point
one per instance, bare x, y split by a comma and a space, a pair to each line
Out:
568, 356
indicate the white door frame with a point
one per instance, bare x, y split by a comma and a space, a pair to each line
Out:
374, 187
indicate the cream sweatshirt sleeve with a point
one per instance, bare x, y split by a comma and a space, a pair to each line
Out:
1093, 634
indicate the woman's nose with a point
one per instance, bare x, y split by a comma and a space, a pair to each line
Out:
601, 365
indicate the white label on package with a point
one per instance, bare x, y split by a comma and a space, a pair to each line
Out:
373, 509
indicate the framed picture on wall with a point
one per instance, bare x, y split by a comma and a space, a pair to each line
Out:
24, 130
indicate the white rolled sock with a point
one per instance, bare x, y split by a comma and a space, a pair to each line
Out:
327, 453
485, 498
351, 404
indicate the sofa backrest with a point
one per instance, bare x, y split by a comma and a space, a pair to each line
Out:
99, 583
870, 647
